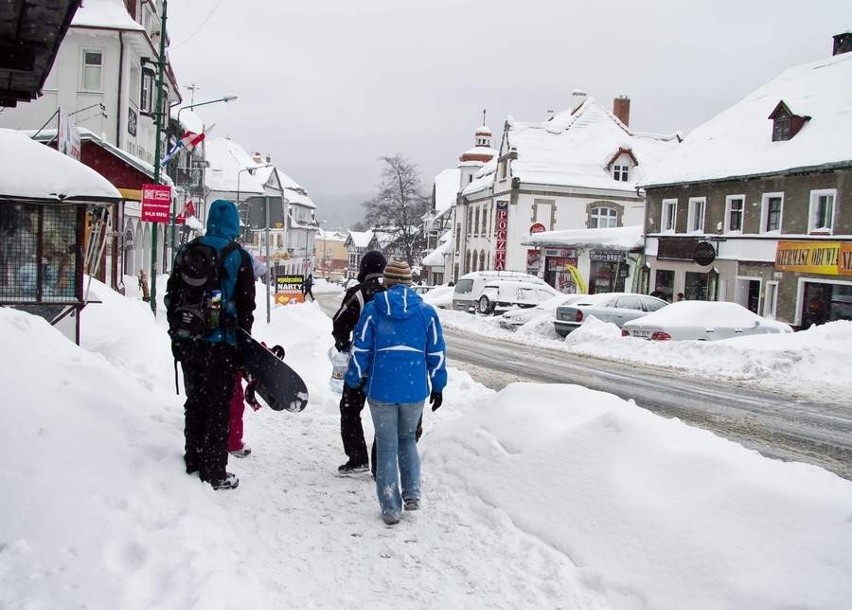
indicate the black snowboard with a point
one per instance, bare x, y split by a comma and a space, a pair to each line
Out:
277, 384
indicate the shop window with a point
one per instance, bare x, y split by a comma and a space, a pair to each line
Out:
770, 300
696, 286
821, 213
664, 284
39, 260
734, 207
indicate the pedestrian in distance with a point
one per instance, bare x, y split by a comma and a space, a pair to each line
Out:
209, 295
309, 285
342, 324
398, 359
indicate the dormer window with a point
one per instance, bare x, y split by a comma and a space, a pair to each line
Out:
621, 163
785, 124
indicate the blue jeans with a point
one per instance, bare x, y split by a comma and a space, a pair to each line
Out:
396, 453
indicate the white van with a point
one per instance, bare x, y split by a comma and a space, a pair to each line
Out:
470, 286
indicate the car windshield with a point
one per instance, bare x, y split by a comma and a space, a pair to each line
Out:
464, 286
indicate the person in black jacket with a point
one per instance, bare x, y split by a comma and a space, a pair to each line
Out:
210, 361
343, 323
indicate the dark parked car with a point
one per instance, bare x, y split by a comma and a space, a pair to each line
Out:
613, 307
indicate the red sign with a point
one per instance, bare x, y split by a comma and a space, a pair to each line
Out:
189, 209
502, 232
156, 202
537, 228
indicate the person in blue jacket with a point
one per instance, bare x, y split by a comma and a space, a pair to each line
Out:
398, 358
210, 361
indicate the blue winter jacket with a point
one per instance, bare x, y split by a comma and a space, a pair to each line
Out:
398, 346
238, 289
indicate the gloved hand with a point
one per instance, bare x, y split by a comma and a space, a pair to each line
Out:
342, 346
177, 349
278, 351
250, 396
436, 399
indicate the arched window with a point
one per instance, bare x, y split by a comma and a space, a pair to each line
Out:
603, 217
482, 260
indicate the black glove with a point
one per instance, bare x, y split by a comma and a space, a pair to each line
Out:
342, 346
250, 396
177, 349
436, 399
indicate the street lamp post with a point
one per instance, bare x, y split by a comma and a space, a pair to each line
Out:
225, 99
158, 128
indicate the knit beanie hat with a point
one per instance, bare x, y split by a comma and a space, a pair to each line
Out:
372, 262
397, 272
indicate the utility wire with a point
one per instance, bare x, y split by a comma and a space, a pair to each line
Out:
198, 29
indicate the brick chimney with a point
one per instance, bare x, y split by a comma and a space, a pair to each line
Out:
842, 43
621, 109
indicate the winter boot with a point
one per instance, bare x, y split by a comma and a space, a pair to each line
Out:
241, 453
352, 467
231, 481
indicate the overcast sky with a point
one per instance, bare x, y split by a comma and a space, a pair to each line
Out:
328, 86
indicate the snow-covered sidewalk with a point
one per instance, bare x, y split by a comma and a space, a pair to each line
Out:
537, 496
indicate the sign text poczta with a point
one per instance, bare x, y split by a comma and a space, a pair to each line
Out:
502, 233
156, 202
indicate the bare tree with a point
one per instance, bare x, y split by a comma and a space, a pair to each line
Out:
399, 206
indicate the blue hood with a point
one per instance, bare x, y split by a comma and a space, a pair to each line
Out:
397, 302
223, 219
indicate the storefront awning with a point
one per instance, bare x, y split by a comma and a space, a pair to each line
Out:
627, 239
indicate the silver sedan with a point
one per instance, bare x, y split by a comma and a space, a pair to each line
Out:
613, 307
702, 321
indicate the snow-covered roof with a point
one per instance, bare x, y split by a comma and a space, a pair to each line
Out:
436, 256
189, 119
226, 161
86, 135
110, 14
617, 238
446, 188
35, 171
738, 142
360, 239
483, 179
574, 149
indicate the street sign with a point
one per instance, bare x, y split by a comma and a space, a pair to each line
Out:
156, 203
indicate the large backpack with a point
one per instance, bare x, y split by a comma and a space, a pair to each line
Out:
195, 298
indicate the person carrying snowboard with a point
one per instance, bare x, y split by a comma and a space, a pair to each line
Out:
398, 359
343, 323
210, 293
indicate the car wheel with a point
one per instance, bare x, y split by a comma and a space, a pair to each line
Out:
485, 306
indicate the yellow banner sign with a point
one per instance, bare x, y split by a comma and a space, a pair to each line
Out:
822, 257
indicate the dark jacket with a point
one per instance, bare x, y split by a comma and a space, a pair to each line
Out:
344, 321
398, 348
238, 291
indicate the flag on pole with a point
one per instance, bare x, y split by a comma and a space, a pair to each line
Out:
188, 141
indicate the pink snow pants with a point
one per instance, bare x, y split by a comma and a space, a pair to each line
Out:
238, 407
